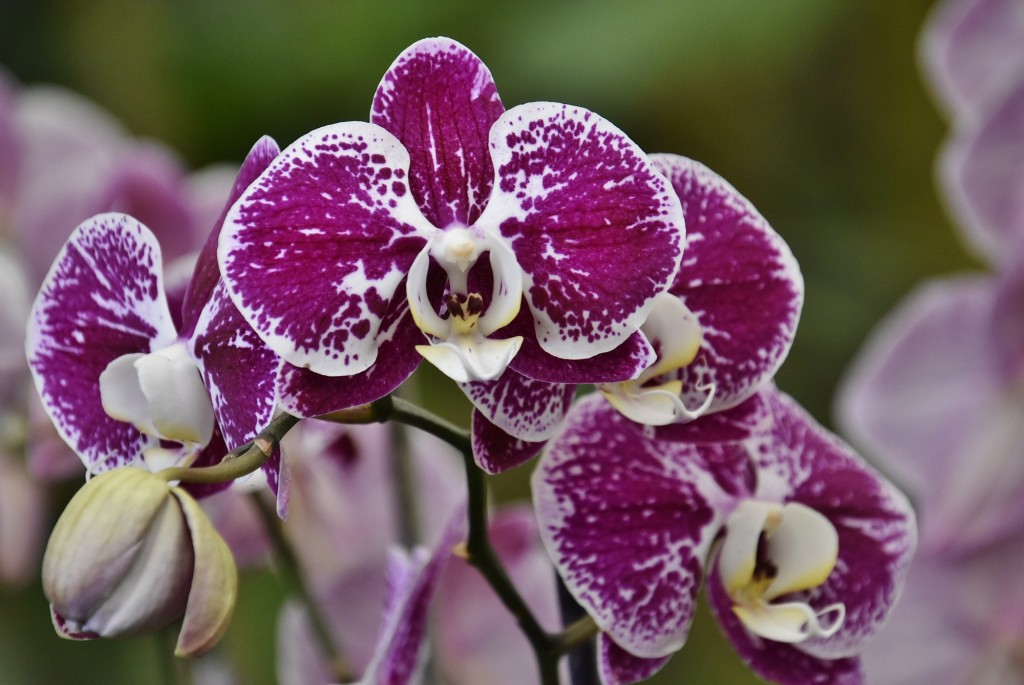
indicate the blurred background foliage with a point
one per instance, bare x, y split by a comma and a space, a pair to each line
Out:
814, 109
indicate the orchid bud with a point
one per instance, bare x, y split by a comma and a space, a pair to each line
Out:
130, 555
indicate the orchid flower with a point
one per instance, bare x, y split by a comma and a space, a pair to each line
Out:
344, 495
804, 547
719, 333
122, 385
960, 621
438, 228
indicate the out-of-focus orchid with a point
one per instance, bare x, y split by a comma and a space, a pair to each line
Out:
960, 621
805, 547
720, 332
122, 385
345, 495
131, 554
367, 245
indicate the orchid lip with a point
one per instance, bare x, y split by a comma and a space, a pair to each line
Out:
460, 345
675, 332
161, 393
773, 550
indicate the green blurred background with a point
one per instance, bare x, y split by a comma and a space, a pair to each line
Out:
814, 109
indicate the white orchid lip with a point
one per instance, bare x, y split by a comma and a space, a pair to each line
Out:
460, 346
771, 550
161, 393
675, 332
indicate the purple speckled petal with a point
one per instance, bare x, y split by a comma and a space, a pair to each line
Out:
103, 298
399, 653
316, 248
624, 362
520, 406
238, 369
745, 420
305, 393
616, 666
439, 99
628, 522
970, 48
776, 661
741, 281
495, 451
927, 399
980, 169
802, 462
207, 272
596, 229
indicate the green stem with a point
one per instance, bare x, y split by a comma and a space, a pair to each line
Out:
288, 566
238, 462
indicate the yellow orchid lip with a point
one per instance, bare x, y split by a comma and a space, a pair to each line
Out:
771, 550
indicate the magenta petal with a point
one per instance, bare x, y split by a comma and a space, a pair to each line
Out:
618, 667
316, 248
207, 272
439, 99
776, 661
238, 370
102, 299
625, 362
495, 451
412, 586
628, 522
981, 170
876, 526
1008, 319
594, 226
739, 278
305, 393
520, 406
971, 48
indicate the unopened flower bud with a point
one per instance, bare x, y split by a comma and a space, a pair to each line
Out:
130, 555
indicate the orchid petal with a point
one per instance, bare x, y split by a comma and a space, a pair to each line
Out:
495, 451
739, 280
927, 394
317, 247
970, 49
439, 99
304, 393
595, 228
625, 362
616, 666
524, 408
979, 169
628, 523
239, 370
466, 360
102, 299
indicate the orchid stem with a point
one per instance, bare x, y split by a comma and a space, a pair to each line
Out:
239, 462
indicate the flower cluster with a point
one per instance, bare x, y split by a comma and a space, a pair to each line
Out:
523, 253
937, 394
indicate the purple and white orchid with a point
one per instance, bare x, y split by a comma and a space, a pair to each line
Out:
122, 385
804, 546
719, 332
452, 230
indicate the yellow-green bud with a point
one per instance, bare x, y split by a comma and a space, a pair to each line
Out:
130, 555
